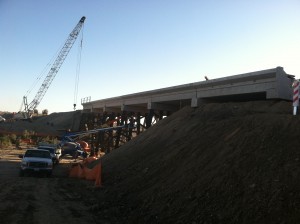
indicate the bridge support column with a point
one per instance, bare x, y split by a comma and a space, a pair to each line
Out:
138, 123
149, 117
195, 102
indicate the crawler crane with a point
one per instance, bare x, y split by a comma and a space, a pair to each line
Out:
31, 107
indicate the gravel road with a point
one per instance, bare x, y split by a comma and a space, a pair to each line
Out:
37, 199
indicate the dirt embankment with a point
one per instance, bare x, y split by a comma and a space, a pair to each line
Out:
53, 124
219, 163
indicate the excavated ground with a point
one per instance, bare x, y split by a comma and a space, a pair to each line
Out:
219, 163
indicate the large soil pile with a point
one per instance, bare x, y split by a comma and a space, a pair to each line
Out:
219, 163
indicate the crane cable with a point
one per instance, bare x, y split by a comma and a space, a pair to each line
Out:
78, 70
42, 74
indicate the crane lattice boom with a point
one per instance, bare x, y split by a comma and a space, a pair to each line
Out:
55, 68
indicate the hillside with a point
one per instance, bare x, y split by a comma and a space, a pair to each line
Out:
45, 125
219, 163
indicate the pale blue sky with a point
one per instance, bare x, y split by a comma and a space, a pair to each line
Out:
137, 45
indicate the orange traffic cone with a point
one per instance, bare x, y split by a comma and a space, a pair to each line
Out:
98, 176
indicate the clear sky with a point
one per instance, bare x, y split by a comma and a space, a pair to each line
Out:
138, 45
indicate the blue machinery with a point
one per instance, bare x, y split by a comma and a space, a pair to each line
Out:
100, 139
107, 131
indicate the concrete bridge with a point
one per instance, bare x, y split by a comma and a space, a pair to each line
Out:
142, 110
260, 85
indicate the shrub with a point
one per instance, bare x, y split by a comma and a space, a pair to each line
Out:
5, 141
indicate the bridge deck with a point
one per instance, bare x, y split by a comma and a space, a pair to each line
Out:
266, 84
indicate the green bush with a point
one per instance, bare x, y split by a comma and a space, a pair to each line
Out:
12, 139
5, 141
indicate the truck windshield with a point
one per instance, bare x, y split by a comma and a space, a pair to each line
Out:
37, 154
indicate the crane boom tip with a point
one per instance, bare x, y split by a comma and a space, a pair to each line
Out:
82, 19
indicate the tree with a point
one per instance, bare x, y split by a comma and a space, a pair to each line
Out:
4, 141
45, 112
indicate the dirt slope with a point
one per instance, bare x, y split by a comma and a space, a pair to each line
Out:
45, 125
219, 163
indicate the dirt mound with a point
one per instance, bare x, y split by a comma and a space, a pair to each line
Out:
219, 163
52, 124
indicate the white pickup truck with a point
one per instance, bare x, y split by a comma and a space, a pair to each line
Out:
2, 119
36, 161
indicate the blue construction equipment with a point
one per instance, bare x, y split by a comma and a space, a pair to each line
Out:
69, 140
